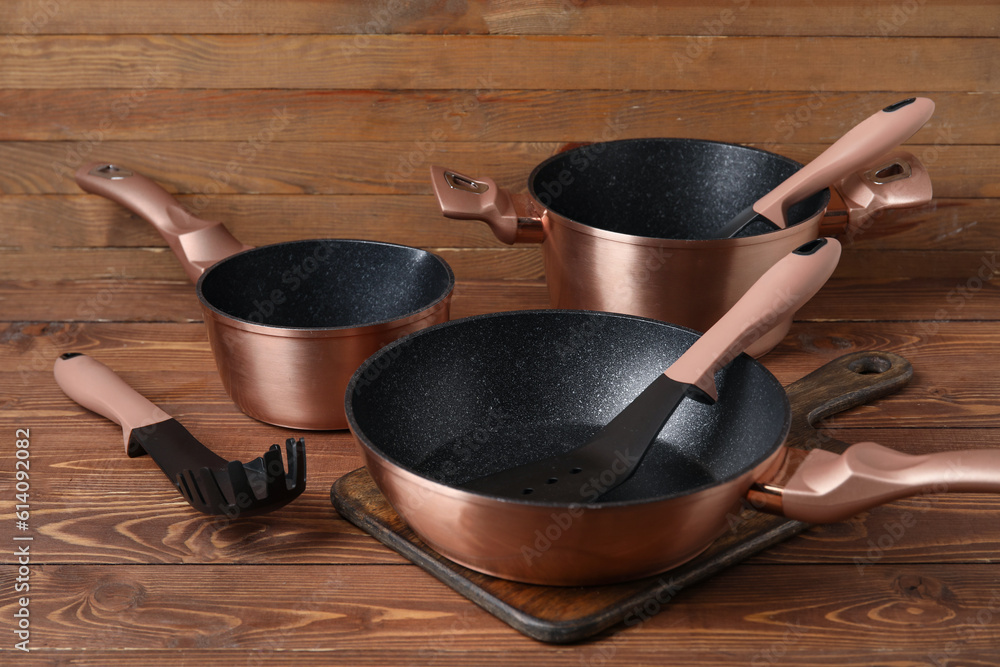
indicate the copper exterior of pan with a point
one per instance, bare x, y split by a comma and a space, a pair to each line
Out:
405, 414
296, 377
562, 545
289, 323
691, 282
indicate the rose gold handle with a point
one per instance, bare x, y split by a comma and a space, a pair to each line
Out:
865, 142
512, 217
97, 388
197, 243
830, 487
780, 291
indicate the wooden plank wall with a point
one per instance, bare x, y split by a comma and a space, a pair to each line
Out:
306, 119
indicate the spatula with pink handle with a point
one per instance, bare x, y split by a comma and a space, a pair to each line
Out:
620, 446
868, 140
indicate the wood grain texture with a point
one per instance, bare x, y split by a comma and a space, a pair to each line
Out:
301, 119
266, 166
571, 62
899, 611
637, 17
87, 221
757, 116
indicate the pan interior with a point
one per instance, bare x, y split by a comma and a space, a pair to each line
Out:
664, 188
476, 396
326, 283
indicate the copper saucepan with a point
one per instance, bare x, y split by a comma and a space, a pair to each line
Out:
483, 394
289, 322
626, 226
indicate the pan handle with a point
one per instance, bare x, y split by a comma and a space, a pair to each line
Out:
791, 282
197, 243
829, 487
99, 389
512, 217
873, 136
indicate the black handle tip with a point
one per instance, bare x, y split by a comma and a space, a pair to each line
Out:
810, 247
900, 104
70, 355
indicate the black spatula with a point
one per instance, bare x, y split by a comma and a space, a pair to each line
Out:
619, 447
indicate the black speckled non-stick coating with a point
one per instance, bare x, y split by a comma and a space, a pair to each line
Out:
664, 188
325, 283
475, 396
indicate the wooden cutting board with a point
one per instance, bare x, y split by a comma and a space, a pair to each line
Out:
566, 614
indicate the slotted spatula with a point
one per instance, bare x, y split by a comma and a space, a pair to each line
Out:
616, 450
210, 483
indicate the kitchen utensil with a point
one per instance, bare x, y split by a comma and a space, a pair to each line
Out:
479, 395
288, 322
210, 483
620, 446
866, 141
624, 224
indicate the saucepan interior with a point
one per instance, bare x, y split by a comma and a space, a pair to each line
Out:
475, 396
664, 188
326, 284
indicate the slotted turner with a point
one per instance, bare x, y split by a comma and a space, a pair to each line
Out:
210, 483
616, 450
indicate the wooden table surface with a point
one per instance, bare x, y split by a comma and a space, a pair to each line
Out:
298, 120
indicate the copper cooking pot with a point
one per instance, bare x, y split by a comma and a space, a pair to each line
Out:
623, 224
289, 323
479, 395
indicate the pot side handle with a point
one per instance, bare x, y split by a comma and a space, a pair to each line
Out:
512, 217
197, 243
830, 487
897, 180
99, 389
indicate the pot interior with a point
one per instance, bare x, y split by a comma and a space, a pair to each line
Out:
326, 283
664, 188
475, 396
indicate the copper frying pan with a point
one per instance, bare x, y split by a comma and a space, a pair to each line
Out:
479, 395
288, 322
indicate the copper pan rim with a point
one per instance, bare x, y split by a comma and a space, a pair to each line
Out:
370, 449
655, 241
431, 308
